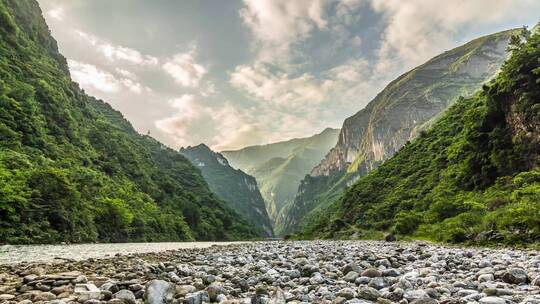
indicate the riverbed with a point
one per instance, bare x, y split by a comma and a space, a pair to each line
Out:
333, 272
13, 254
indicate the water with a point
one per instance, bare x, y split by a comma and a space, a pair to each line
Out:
10, 254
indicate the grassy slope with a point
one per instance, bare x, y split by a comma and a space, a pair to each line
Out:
73, 169
473, 177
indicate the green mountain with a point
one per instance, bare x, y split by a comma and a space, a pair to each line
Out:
238, 189
397, 115
279, 167
73, 169
473, 177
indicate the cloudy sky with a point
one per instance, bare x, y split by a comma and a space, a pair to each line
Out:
242, 72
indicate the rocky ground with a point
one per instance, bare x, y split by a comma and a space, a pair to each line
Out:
280, 272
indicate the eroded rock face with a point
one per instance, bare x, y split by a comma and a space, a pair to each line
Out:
398, 114
290, 272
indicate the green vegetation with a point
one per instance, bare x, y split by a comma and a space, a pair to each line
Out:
405, 107
279, 168
73, 169
233, 186
473, 177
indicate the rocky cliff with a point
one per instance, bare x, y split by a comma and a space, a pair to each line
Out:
238, 189
474, 176
397, 115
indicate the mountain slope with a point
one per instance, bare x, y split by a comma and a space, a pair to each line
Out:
73, 169
474, 176
279, 167
395, 116
238, 189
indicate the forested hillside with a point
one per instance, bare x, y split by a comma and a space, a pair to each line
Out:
407, 105
473, 177
238, 189
73, 169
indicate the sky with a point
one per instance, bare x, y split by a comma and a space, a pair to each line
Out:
237, 73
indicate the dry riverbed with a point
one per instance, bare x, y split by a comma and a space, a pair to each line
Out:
284, 272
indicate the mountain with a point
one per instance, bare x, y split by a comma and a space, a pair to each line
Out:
279, 167
73, 169
473, 177
238, 189
397, 115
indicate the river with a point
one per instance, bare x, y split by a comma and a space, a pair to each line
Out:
12, 254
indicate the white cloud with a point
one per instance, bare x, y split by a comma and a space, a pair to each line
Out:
57, 13
223, 126
278, 88
419, 29
126, 73
339, 87
184, 69
116, 52
277, 24
89, 76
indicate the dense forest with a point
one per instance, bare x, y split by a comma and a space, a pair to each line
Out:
73, 169
236, 188
473, 177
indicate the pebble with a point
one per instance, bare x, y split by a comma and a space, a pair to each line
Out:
288, 272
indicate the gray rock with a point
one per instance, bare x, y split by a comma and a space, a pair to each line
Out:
368, 293
158, 292
351, 276
411, 295
346, 293
277, 297
378, 283
515, 276
351, 267
6, 297
371, 273
125, 295
488, 277
183, 290
492, 300
214, 290
197, 298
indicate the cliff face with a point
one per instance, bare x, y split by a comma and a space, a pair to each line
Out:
473, 176
238, 189
396, 116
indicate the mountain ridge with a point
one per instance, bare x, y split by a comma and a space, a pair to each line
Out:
395, 116
473, 177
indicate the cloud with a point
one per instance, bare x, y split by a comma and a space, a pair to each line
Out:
116, 52
184, 69
278, 88
57, 13
220, 127
91, 77
277, 24
419, 29
126, 73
